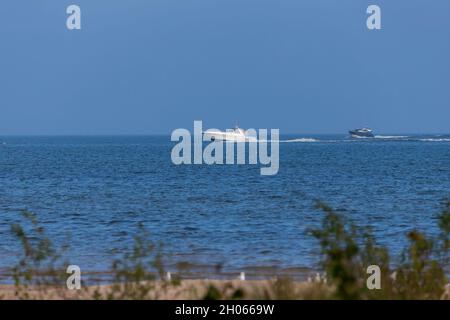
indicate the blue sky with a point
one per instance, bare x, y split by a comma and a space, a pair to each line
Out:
150, 66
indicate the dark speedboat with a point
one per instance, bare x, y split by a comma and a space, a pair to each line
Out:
361, 133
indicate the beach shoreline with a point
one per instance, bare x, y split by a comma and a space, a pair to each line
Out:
190, 289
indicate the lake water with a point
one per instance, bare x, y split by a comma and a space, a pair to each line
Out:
97, 189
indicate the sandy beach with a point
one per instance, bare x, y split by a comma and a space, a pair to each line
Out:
183, 290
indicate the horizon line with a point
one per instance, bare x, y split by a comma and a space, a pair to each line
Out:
168, 134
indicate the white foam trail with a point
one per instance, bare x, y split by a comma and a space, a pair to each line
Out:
300, 140
435, 140
391, 137
355, 139
290, 140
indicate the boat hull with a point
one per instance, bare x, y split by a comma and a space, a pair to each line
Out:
358, 134
226, 136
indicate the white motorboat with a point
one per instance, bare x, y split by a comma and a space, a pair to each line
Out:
237, 134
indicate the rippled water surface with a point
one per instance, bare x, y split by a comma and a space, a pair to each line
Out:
95, 190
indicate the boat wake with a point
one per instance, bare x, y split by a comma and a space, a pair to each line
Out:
377, 137
390, 137
435, 140
300, 140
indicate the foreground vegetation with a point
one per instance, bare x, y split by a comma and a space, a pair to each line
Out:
346, 253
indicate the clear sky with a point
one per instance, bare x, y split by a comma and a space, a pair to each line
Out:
150, 66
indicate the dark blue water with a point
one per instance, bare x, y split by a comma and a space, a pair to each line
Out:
97, 189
